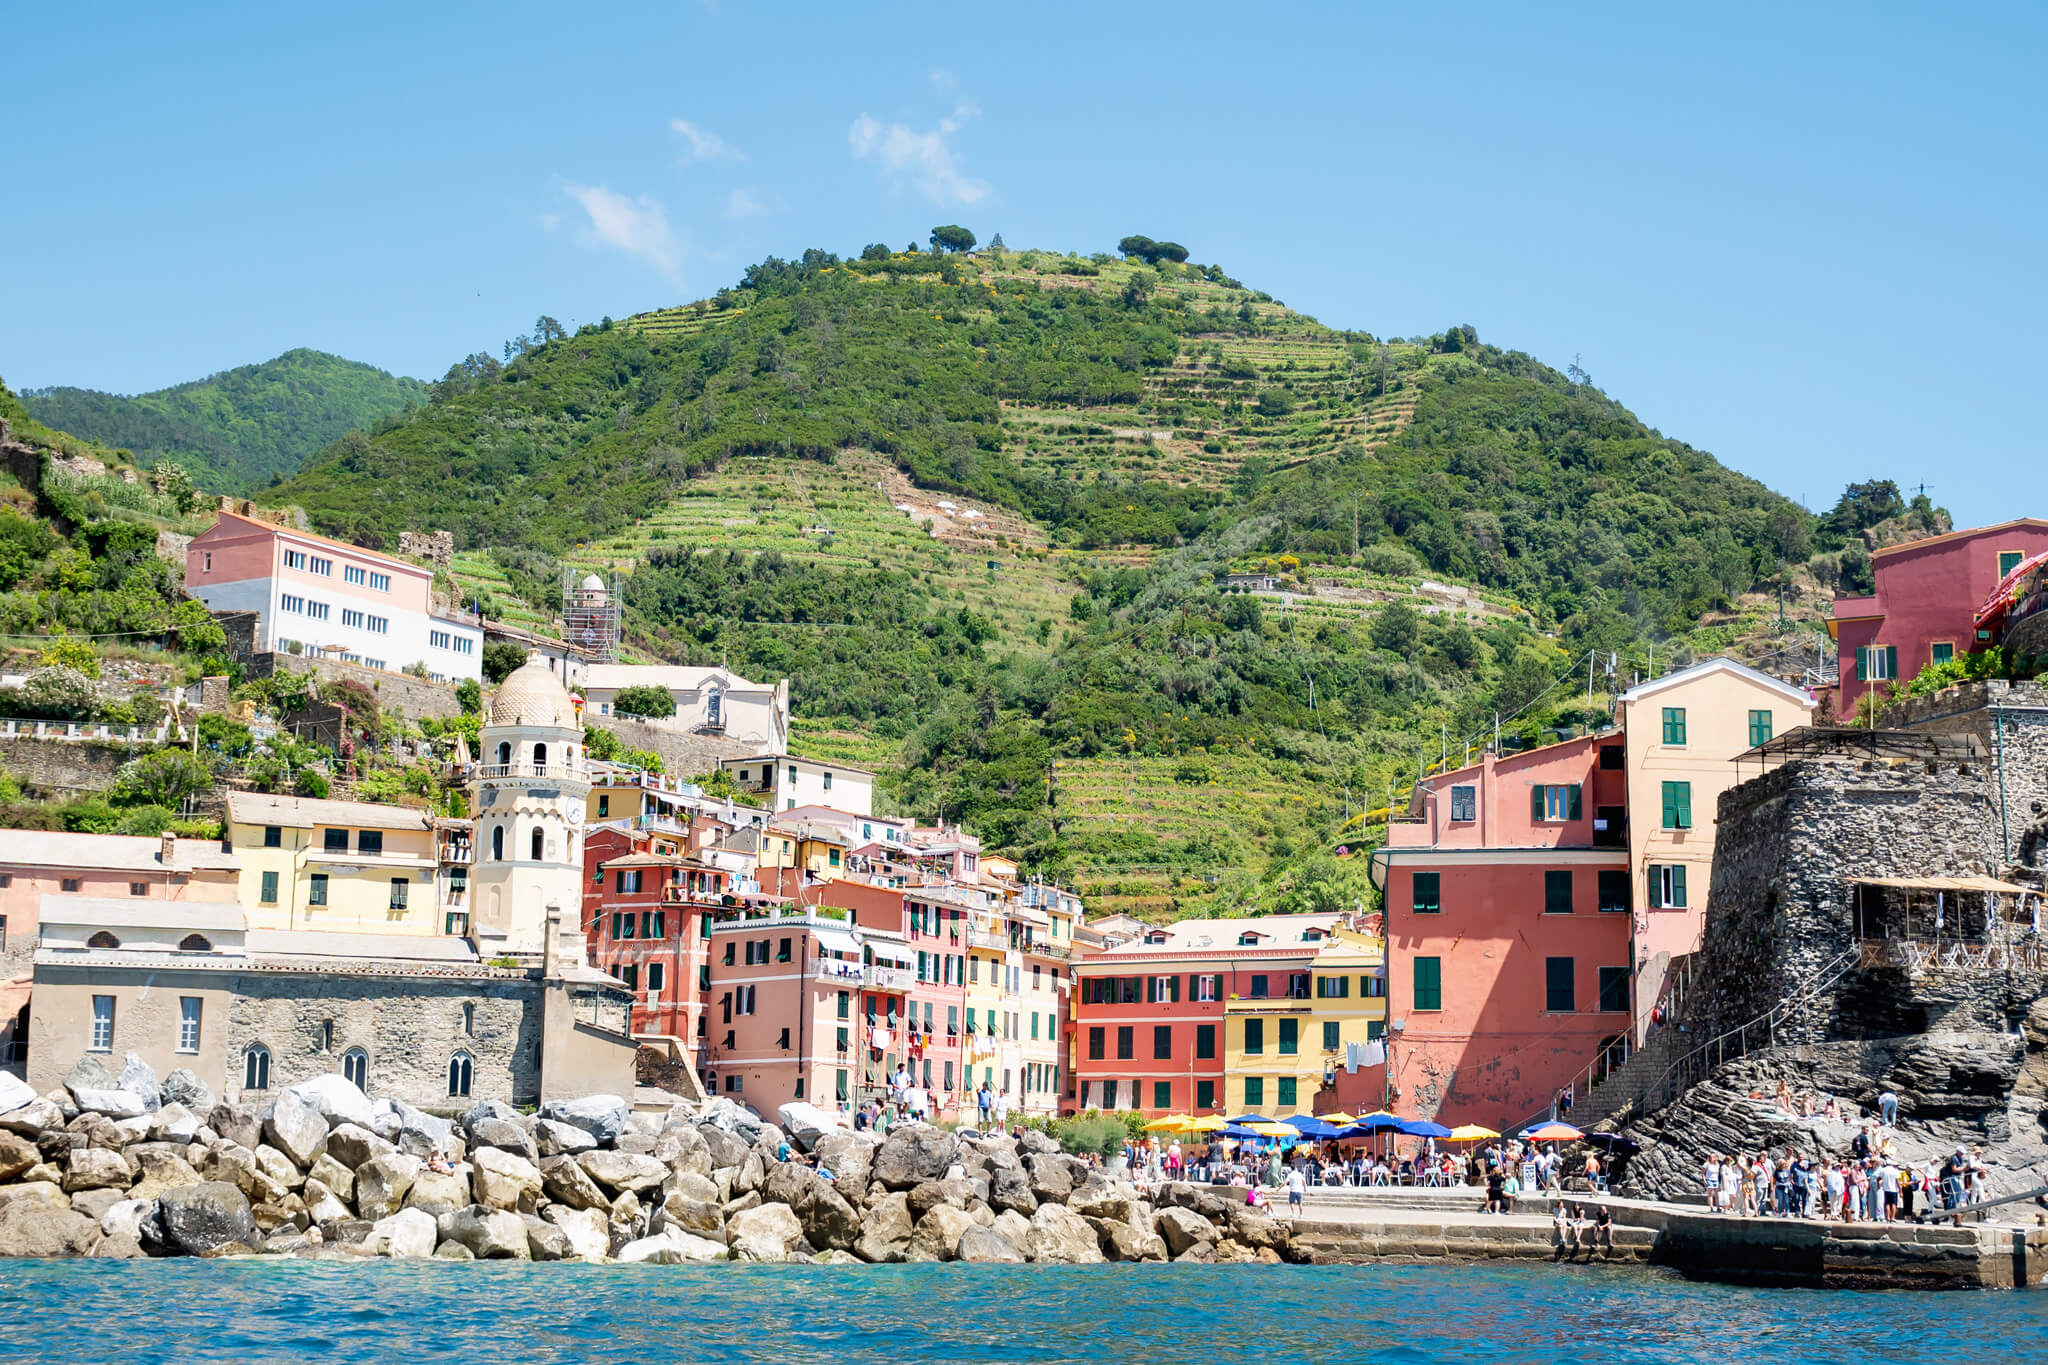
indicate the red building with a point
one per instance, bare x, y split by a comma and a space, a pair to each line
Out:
1508, 931
646, 918
1925, 607
1148, 1029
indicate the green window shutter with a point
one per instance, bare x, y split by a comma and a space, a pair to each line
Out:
1656, 887
1891, 662
1536, 802
1429, 983
1685, 805
1862, 665
1678, 885
1330, 1035
1577, 810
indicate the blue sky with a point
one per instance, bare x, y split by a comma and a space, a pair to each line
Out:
1808, 239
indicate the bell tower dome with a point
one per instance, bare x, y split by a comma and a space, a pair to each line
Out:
532, 787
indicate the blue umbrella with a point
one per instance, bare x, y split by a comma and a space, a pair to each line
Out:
1311, 1127
1249, 1118
1374, 1123
1238, 1131
1423, 1128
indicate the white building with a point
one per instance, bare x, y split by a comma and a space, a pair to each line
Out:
709, 700
324, 598
532, 788
788, 782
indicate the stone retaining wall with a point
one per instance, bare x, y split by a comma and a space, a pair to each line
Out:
416, 697
66, 768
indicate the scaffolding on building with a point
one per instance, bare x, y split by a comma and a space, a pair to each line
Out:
591, 615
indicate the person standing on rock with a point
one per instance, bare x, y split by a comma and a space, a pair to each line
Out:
1000, 1107
981, 1103
1888, 1107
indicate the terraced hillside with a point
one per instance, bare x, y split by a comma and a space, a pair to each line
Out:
1153, 580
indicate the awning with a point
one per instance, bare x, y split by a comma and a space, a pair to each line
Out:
1989, 885
2001, 596
836, 941
891, 952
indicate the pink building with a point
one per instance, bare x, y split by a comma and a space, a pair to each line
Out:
1924, 609
1507, 931
36, 863
326, 598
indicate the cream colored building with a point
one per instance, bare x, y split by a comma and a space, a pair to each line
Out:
1683, 732
336, 866
531, 792
709, 700
785, 782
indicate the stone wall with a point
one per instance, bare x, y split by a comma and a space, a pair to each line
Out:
410, 1027
685, 755
416, 697
1780, 907
435, 547
62, 769
2011, 719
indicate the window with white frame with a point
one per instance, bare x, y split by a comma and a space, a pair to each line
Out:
188, 1023
465, 644
103, 1023
351, 617
323, 567
380, 582
380, 625
295, 559
440, 639
317, 610
294, 604
353, 573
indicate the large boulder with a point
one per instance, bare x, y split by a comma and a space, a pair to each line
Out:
1257, 1229
671, 1248
115, 1104
199, 1218
138, 1078
296, 1127
551, 1137
601, 1116
885, 1230
409, 1234
237, 1123
30, 1227
91, 1071
928, 1196
173, 1122
182, 1087
937, 1235
850, 1157
545, 1241
1011, 1189
352, 1144
95, 1168
14, 1092
34, 1116
278, 1168
732, 1118
913, 1155
17, 1154
504, 1135
335, 1176
568, 1183
135, 1218
487, 1109
587, 1231
338, 1100
488, 1234
35, 1191
988, 1245
1061, 1236
724, 1148
767, 1233
619, 1171
382, 1184
504, 1179
1099, 1198
806, 1123
1121, 1241
439, 1192
322, 1205
683, 1148
159, 1170
1184, 1228
1053, 1175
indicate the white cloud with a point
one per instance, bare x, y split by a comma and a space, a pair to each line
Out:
924, 161
704, 145
638, 226
742, 204
944, 81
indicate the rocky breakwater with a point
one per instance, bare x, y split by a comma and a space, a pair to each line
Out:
118, 1165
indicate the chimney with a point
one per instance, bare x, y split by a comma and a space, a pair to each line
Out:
167, 852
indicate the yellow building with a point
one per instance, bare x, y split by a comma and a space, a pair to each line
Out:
1349, 994
1683, 731
348, 866
1272, 1035
816, 848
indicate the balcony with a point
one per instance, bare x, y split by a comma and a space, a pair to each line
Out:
565, 772
892, 979
988, 938
1047, 948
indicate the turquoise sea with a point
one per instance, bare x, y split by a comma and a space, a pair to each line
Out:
261, 1310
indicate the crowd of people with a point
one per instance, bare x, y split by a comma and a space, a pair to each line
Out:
1872, 1184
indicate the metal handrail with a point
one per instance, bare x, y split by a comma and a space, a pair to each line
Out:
1584, 1080
1829, 973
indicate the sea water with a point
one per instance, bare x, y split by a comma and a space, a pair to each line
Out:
482, 1314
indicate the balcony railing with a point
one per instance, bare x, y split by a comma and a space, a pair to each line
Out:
986, 938
1047, 948
887, 978
568, 772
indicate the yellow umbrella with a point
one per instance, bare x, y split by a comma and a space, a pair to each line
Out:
1171, 1123
1208, 1124
1472, 1132
1338, 1118
1274, 1130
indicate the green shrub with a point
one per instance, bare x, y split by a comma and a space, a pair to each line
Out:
311, 784
145, 820
649, 702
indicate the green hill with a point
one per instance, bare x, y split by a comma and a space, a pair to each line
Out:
238, 429
983, 512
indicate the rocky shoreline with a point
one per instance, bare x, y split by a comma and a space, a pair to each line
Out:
134, 1169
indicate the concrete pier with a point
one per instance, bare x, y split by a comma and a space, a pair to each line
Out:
1400, 1225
